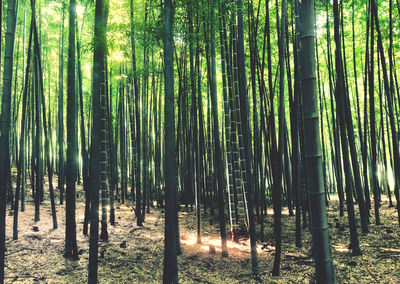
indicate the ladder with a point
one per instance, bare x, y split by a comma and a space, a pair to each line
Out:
238, 211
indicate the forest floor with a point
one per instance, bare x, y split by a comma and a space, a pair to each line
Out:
135, 254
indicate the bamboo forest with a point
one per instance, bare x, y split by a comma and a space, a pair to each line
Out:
199, 141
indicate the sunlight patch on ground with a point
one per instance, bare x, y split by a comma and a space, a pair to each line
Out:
285, 211
390, 249
207, 242
341, 248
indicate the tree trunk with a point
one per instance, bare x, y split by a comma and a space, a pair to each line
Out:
218, 153
321, 245
61, 175
389, 97
101, 11
170, 258
5, 120
71, 249
249, 184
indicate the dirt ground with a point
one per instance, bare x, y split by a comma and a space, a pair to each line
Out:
37, 257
